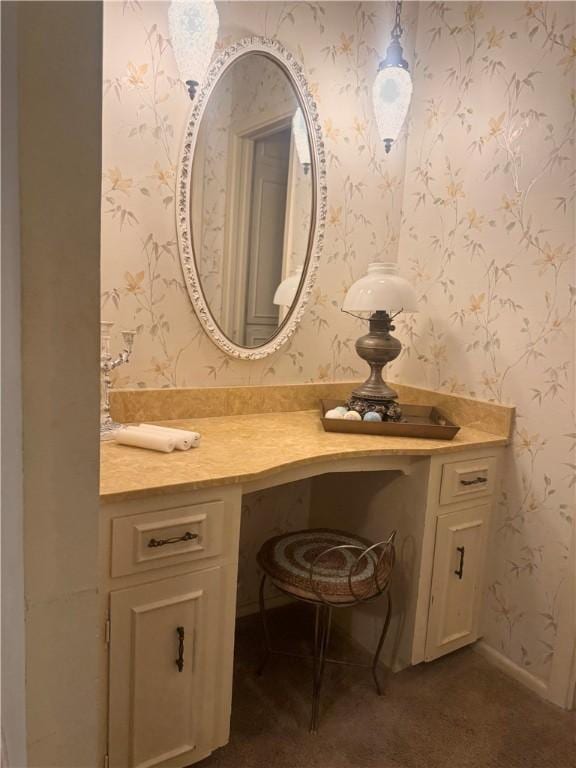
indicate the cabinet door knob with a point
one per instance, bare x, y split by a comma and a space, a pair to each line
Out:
180, 659
460, 570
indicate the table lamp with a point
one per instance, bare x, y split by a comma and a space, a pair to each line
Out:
288, 288
382, 294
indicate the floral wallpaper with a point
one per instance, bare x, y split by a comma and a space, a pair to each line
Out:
488, 238
145, 112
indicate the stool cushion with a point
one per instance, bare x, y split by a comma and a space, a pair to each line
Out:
287, 561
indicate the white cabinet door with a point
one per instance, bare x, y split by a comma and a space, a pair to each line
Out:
164, 656
456, 580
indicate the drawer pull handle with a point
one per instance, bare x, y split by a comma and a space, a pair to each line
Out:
460, 570
477, 481
161, 542
180, 659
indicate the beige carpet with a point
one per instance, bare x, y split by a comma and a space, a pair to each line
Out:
457, 712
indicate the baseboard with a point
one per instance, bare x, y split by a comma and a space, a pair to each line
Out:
511, 668
274, 601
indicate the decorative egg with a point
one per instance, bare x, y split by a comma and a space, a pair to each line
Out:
342, 408
372, 416
353, 416
334, 413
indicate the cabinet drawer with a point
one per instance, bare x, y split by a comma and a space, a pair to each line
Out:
166, 537
467, 479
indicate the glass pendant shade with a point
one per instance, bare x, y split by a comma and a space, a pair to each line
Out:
391, 94
286, 291
300, 133
381, 289
392, 89
193, 32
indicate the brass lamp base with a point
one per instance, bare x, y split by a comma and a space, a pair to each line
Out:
377, 347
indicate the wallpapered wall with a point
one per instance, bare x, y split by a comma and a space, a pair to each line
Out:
145, 111
488, 238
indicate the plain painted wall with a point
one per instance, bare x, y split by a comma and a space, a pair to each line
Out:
60, 100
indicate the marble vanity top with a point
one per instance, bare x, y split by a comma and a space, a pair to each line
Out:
245, 447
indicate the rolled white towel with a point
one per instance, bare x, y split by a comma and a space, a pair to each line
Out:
185, 439
140, 438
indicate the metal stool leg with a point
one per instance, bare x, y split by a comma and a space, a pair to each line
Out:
376, 659
266, 635
323, 620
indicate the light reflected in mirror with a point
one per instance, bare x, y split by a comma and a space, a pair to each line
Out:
251, 199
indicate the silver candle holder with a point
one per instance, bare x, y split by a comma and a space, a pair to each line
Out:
107, 365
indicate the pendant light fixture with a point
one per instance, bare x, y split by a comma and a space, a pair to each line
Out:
392, 89
193, 28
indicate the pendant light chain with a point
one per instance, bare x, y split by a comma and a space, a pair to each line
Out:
397, 28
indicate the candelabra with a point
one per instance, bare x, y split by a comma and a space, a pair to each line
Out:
107, 365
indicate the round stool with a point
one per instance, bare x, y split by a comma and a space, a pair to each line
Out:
329, 569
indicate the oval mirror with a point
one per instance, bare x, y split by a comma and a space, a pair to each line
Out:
252, 198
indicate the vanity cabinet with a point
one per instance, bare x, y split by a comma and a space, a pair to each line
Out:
169, 577
460, 498
169, 602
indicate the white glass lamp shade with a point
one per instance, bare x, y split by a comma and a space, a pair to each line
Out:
391, 94
300, 133
286, 291
381, 289
193, 28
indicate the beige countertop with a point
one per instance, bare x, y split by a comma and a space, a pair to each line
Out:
249, 447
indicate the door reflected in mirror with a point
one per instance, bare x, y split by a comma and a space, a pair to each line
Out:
252, 199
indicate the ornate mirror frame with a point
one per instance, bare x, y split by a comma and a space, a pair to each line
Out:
286, 60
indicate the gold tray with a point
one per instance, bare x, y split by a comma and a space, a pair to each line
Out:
419, 421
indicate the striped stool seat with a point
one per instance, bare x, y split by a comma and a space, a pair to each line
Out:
326, 565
